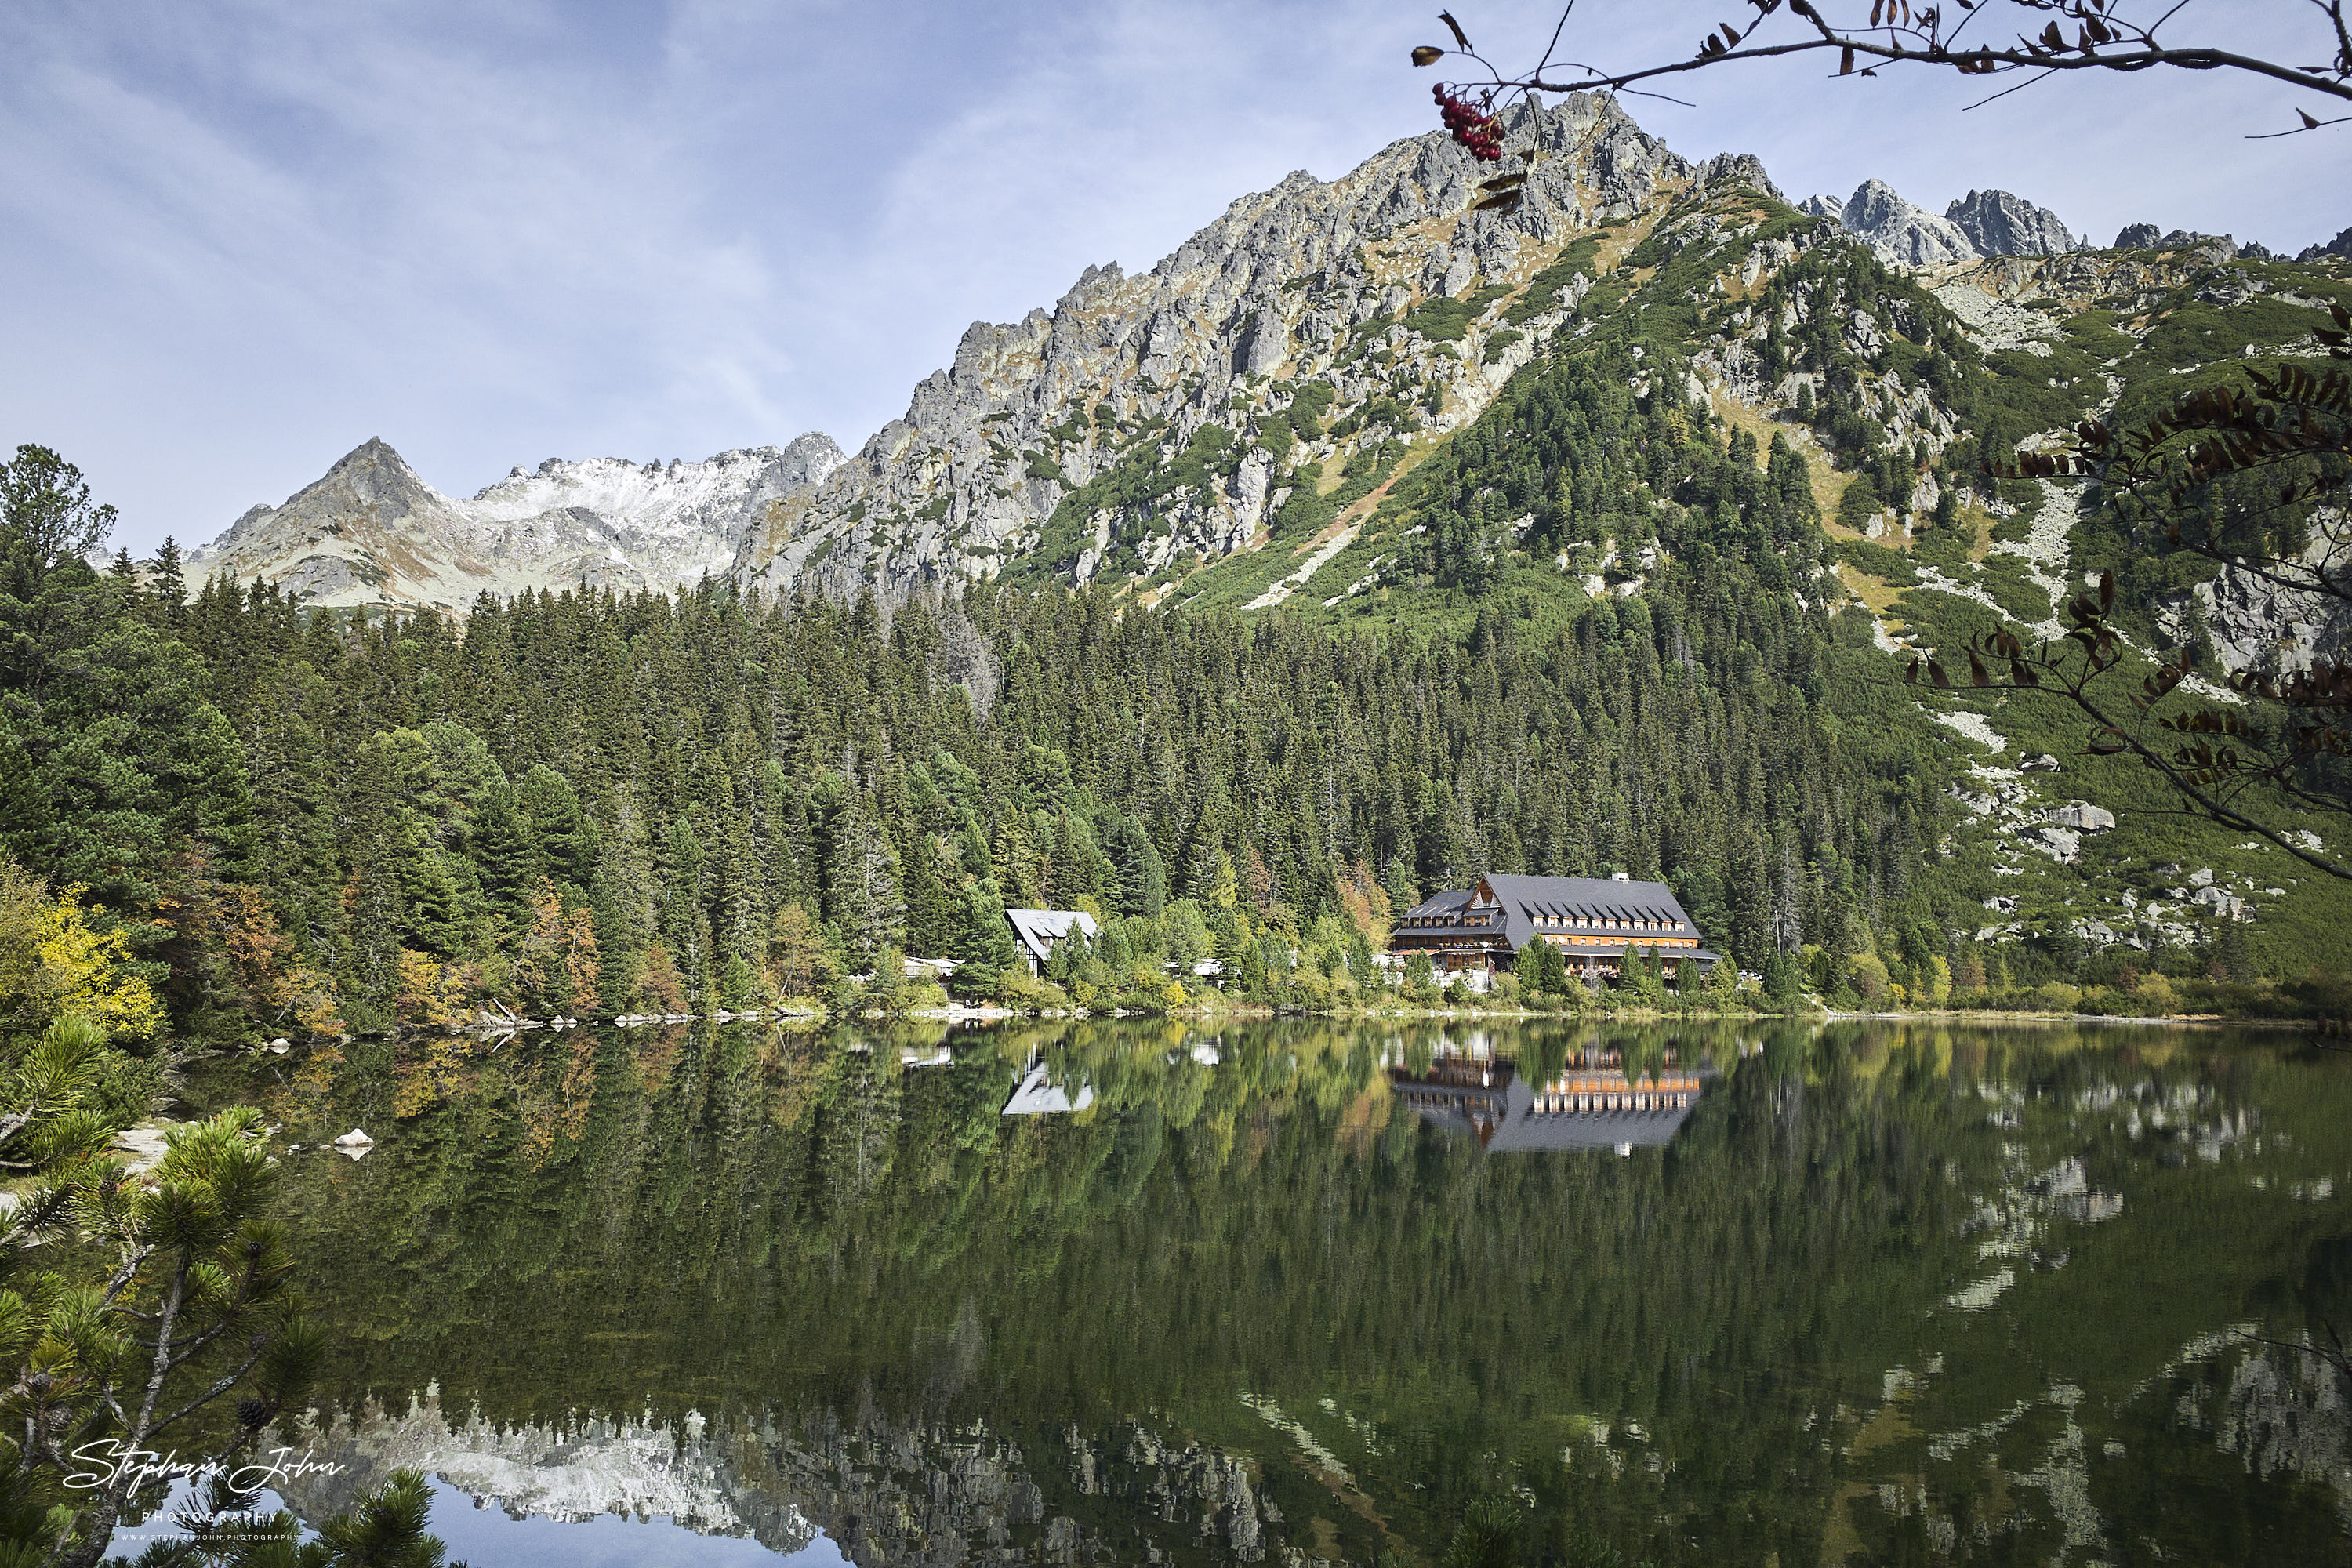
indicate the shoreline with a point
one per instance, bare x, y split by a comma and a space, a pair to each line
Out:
508, 1028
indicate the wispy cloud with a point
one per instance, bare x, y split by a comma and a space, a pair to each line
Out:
237, 240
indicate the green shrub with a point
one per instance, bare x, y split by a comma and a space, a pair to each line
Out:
1889, 566
1860, 503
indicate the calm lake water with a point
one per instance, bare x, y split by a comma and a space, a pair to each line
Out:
1136, 1292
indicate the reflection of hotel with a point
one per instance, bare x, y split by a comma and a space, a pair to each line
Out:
1591, 1105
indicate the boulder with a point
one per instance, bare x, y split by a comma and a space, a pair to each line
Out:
2039, 762
2062, 843
142, 1148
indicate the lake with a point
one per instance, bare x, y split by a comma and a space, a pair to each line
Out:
1300, 1292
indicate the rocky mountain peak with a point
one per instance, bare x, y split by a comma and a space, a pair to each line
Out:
1902, 234
374, 468
1999, 224
1284, 289
2144, 237
2340, 246
1739, 168
1981, 224
372, 531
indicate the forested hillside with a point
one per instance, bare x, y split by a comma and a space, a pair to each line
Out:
585, 802
568, 802
1631, 607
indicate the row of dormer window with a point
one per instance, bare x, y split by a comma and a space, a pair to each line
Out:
1549, 922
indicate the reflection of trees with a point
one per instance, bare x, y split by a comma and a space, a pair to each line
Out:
858, 1125
804, 1220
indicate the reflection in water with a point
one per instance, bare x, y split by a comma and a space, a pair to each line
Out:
568, 1471
1881, 1293
1037, 1095
1591, 1104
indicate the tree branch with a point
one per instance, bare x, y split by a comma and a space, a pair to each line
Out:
1974, 62
220, 1387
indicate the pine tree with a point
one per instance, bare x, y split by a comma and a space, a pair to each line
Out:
167, 589
931, 911
862, 898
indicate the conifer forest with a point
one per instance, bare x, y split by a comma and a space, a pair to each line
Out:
1536, 860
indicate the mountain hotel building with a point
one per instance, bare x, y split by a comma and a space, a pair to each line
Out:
1592, 920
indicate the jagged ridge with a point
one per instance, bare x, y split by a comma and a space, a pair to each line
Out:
372, 531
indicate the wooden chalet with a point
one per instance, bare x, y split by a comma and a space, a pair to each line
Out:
1039, 931
1592, 921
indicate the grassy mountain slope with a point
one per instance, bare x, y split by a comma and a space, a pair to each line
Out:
1731, 384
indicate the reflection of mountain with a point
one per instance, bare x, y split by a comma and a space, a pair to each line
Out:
1589, 1104
920, 1494
568, 1472
1038, 1331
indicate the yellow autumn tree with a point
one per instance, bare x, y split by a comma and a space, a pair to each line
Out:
54, 963
433, 994
1366, 904
558, 958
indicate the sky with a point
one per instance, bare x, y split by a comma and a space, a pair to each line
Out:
237, 239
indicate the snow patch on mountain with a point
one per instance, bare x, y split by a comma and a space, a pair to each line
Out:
372, 531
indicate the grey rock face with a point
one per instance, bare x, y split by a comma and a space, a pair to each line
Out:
2061, 844
2220, 246
2137, 237
2340, 246
1999, 224
1902, 235
2258, 623
1739, 168
372, 531
992, 446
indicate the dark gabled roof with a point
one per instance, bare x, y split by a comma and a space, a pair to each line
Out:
1523, 899
1439, 904
1039, 929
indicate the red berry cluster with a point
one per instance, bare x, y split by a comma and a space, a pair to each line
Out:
1478, 131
